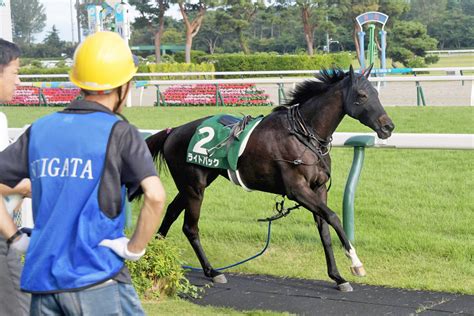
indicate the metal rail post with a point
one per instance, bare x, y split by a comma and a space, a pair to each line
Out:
281, 93
219, 96
160, 98
359, 143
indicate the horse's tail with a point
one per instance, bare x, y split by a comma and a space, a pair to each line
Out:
156, 143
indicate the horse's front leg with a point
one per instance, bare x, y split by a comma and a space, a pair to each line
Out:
303, 194
191, 230
325, 236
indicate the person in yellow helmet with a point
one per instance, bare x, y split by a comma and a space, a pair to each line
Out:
82, 161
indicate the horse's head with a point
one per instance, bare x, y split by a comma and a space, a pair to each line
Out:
361, 102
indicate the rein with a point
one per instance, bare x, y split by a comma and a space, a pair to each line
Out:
308, 137
306, 134
281, 211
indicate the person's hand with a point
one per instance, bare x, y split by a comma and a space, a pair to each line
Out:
21, 244
120, 247
23, 187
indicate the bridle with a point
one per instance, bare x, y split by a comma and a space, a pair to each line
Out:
308, 137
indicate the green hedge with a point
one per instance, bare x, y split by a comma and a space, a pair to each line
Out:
175, 67
269, 61
195, 55
44, 71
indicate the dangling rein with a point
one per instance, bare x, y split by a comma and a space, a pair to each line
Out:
281, 212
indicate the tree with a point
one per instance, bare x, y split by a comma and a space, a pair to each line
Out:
212, 31
152, 16
450, 21
409, 43
52, 43
192, 25
240, 14
277, 29
29, 18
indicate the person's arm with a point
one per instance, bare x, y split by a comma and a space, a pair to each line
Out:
7, 226
137, 170
16, 239
23, 188
150, 214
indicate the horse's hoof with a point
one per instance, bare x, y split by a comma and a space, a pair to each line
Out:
345, 287
358, 271
220, 278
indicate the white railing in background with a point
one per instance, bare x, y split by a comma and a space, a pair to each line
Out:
451, 52
455, 70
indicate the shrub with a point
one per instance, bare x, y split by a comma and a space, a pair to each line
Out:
44, 71
195, 55
159, 273
271, 61
176, 67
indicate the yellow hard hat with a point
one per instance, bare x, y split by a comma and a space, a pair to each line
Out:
103, 61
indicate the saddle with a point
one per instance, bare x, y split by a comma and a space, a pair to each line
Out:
237, 125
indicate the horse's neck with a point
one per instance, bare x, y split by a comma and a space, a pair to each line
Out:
325, 113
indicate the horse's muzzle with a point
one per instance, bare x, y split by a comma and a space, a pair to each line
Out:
386, 127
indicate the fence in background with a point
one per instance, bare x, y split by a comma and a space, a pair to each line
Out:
381, 76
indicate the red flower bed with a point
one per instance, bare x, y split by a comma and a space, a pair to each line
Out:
52, 96
205, 94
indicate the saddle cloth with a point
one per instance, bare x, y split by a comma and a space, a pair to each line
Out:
220, 140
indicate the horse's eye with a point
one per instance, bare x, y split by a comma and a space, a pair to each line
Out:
362, 95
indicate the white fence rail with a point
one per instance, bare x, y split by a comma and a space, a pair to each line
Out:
465, 96
448, 70
397, 140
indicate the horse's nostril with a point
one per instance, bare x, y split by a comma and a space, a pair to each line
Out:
390, 126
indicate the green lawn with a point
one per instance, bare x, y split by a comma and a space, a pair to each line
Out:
414, 210
182, 307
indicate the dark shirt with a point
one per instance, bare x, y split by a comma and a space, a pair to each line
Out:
128, 162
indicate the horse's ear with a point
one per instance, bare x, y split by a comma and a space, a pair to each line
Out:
366, 72
351, 73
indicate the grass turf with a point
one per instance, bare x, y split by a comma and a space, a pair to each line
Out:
414, 209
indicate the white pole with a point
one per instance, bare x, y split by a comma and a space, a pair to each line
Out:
72, 22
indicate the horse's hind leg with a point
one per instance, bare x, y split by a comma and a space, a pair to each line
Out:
172, 213
191, 230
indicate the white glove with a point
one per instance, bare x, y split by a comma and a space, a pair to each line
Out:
120, 247
21, 244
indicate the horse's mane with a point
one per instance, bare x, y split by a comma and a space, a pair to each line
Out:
310, 88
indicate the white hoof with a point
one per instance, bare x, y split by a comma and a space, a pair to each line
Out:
345, 287
219, 279
358, 271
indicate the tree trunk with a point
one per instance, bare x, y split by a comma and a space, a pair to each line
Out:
356, 41
308, 29
309, 44
158, 47
243, 42
192, 28
159, 33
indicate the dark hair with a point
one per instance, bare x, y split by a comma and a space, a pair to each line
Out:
8, 52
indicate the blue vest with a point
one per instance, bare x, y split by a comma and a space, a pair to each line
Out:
66, 161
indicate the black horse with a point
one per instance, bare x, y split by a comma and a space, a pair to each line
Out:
287, 154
